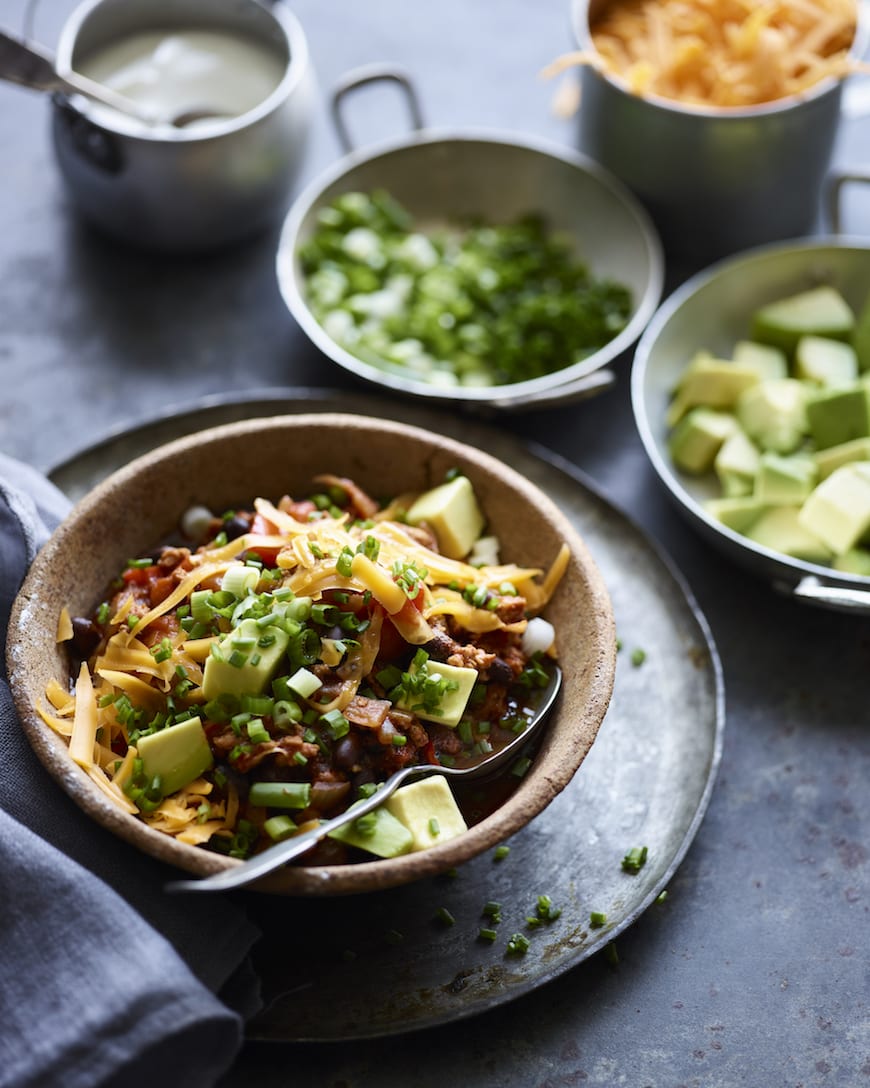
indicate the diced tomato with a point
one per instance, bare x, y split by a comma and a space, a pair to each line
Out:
261, 526
139, 575
160, 589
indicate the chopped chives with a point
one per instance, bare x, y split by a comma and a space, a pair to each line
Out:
635, 859
444, 915
638, 656
501, 852
434, 826
597, 919
518, 944
486, 934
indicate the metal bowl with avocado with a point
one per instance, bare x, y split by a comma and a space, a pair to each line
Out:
712, 313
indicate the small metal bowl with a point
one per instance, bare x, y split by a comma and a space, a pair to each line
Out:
441, 176
193, 188
712, 311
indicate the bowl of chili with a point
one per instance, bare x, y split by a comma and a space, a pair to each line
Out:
131, 641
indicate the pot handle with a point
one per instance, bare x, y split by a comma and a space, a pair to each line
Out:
836, 181
361, 77
811, 590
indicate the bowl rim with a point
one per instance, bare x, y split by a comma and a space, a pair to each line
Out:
294, 298
786, 566
377, 874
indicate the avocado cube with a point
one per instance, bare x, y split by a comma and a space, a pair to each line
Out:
839, 415
452, 705
736, 465
380, 833
177, 754
774, 414
833, 457
738, 513
245, 660
861, 336
698, 437
452, 512
838, 510
854, 561
428, 809
780, 530
709, 383
767, 361
820, 311
825, 362
785, 481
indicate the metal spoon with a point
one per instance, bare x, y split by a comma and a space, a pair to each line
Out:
275, 857
31, 66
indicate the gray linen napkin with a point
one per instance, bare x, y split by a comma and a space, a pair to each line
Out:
104, 979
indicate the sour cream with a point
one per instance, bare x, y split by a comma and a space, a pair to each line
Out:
177, 72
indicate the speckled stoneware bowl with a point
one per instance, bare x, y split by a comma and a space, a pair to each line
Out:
142, 503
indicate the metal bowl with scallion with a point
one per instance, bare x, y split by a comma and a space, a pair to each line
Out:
471, 268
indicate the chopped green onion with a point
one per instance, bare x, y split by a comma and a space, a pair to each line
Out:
295, 795
501, 852
444, 915
597, 919
279, 827
635, 859
638, 656
486, 934
434, 826
518, 944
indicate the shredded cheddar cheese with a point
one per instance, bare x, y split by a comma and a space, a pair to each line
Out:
721, 53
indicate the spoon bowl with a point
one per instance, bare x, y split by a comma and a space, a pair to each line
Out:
262, 864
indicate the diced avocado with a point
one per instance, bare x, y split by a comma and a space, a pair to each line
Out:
838, 510
854, 561
785, 481
452, 704
698, 437
379, 832
452, 512
825, 361
709, 383
767, 361
839, 415
780, 530
820, 311
247, 659
861, 336
736, 465
428, 810
177, 754
738, 514
834, 456
774, 414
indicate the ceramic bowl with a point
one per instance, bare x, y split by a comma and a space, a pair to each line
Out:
143, 502
712, 311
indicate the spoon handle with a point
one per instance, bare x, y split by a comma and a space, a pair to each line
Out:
276, 856
27, 65
31, 66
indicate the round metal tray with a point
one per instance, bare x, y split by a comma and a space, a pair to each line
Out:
393, 961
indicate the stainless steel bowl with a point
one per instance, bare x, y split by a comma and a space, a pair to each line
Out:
712, 311
715, 180
439, 176
189, 188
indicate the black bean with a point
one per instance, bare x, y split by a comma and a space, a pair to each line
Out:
346, 752
86, 636
236, 526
